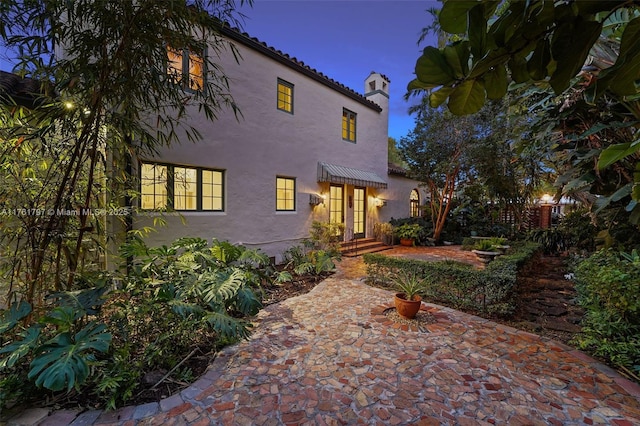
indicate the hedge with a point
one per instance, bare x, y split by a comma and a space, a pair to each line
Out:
458, 285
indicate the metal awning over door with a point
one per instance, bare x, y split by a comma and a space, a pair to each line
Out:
340, 174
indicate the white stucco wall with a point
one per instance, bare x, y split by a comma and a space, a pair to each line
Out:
397, 196
264, 143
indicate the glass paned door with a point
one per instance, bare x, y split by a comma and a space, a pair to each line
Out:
336, 204
359, 212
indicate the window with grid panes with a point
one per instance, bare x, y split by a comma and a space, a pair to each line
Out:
285, 96
348, 125
285, 194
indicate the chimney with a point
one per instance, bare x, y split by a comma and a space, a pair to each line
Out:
376, 89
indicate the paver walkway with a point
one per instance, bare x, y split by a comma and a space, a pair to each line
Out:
332, 357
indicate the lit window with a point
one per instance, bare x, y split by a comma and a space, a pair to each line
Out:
185, 185
185, 68
348, 125
174, 64
285, 194
414, 203
153, 182
183, 188
212, 190
285, 96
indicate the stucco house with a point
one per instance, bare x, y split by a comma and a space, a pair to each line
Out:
306, 149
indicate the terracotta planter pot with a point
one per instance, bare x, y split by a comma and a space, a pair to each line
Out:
408, 242
407, 308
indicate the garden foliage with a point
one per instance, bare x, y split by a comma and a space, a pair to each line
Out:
318, 253
608, 285
103, 339
458, 285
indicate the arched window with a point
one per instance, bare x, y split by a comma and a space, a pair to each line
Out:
414, 203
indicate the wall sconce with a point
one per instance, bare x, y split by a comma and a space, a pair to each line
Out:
379, 202
315, 199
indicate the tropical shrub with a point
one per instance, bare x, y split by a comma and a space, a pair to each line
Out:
574, 232
176, 300
325, 236
302, 260
553, 240
484, 245
57, 350
579, 230
426, 228
608, 285
408, 231
383, 231
317, 254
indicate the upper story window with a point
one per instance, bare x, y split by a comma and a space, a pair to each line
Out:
182, 188
285, 96
285, 194
414, 203
348, 125
186, 68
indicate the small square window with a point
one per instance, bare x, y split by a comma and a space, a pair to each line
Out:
285, 194
285, 96
348, 125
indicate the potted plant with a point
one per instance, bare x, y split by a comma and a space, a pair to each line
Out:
407, 233
485, 250
500, 244
408, 299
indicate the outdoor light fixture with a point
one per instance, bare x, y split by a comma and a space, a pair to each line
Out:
546, 199
379, 202
315, 199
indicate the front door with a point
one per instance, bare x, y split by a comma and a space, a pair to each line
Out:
336, 204
359, 212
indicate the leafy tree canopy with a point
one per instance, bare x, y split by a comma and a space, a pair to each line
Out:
110, 97
580, 61
529, 41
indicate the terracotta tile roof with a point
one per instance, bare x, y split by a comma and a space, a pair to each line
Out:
16, 90
394, 169
296, 64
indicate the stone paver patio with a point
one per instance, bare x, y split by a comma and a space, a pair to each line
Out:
331, 357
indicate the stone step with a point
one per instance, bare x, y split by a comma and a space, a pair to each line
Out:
360, 241
362, 246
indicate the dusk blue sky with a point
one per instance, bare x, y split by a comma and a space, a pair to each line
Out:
345, 40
